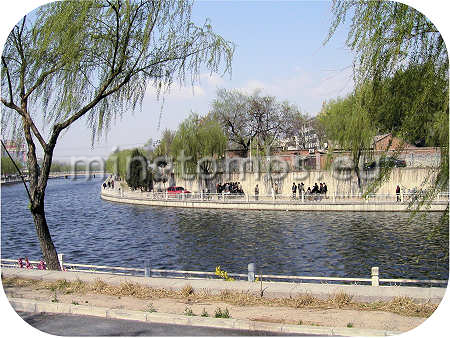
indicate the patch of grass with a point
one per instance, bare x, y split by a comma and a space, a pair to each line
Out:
150, 308
305, 300
75, 303
340, 299
400, 305
188, 311
204, 313
349, 325
222, 314
300, 322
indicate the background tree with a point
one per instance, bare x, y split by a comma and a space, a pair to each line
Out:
254, 121
394, 108
202, 141
94, 59
8, 167
137, 170
348, 125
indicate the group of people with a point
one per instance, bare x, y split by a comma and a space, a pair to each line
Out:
317, 189
229, 187
109, 183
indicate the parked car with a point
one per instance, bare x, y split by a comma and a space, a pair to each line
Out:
392, 162
176, 191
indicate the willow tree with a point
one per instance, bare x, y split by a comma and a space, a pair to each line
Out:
347, 124
95, 60
198, 143
389, 36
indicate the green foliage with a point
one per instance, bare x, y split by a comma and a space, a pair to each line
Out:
222, 314
198, 138
165, 144
95, 59
8, 167
137, 170
223, 274
394, 107
60, 167
150, 308
188, 312
204, 313
399, 49
117, 162
349, 127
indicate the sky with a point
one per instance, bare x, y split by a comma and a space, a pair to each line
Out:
279, 50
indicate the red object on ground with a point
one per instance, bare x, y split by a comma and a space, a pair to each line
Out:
174, 191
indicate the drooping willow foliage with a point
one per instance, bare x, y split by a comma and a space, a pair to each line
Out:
94, 59
399, 49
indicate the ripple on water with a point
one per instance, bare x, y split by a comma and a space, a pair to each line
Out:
92, 231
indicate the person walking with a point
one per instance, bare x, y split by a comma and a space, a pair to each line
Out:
397, 192
256, 192
294, 191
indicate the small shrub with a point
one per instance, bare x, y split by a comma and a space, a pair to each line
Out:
223, 274
54, 299
222, 314
341, 299
300, 322
75, 303
187, 291
204, 313
188, 312
150, 308
349, 324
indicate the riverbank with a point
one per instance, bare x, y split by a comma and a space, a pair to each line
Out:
284, 307
217, 202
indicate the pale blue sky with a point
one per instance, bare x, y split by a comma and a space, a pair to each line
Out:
279, 49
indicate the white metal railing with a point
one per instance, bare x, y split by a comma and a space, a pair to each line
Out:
374, 279
277, 198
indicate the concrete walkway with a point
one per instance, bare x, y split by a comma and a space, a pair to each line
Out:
141, 199
273, 289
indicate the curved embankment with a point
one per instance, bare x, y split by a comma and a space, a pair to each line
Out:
267, 205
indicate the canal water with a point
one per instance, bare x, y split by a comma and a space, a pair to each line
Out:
346, 244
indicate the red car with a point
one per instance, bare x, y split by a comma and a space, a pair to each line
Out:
176, 191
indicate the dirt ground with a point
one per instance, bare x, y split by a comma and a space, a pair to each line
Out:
322, 317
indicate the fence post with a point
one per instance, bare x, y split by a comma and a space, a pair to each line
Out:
303, 196
251, 272
334, 197
401, 195
201, 195
61, 262
248, 198
375, 276
147, 270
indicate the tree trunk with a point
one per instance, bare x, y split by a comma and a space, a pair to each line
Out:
358, 175
45, 239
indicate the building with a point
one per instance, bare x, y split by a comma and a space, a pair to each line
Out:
389, 142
